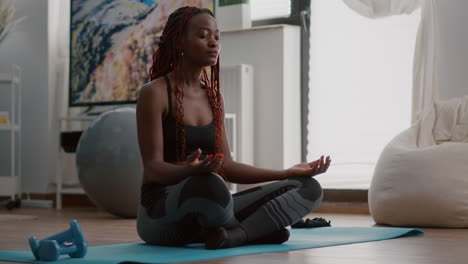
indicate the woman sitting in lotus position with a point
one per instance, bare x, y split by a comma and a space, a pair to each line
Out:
186, 157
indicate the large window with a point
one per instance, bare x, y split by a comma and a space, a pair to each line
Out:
359, 89
356, 82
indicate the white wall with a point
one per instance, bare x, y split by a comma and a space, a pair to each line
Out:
274, 53
28, 48
453, 50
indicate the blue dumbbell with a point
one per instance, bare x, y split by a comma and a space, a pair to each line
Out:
69, 242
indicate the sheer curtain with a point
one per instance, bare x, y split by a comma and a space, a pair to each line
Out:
360, 88
59, 22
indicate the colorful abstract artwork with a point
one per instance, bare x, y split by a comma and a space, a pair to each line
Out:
111, 46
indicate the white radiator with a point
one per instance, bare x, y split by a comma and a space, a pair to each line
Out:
236, 83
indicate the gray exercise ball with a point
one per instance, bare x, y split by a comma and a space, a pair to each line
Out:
109, 163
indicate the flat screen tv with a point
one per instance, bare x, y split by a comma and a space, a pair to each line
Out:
111, 47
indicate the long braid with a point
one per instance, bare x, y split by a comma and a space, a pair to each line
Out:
217, 110
179, 116
169, 58
189, 12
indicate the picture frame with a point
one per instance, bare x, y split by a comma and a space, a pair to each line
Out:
111, 47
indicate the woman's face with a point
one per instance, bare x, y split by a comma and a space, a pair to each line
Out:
201, 46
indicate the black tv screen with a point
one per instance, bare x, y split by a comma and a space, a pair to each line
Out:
111, 47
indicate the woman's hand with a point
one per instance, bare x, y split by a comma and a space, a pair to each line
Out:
212, 163
309, 168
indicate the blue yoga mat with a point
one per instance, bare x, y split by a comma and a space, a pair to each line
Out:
144, 253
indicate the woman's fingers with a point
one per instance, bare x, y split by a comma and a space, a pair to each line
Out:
212, 162
324, 165
320, 165
315, 167
194, 155
311, 164
216, 162
327, 163
314, 163
206, 161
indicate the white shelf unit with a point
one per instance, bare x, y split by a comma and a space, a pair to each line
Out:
60, 189
11, 83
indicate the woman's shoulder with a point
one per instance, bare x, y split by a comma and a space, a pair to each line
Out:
154, 89
154, 93
154, 86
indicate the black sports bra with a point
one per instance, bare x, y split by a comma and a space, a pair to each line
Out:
202, 137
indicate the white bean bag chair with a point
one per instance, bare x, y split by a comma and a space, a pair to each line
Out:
421, 177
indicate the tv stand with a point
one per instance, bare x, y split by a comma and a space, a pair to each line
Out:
95, 110
93, 113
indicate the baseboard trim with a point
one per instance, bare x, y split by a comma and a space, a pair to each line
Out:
68, 200
343, 208
334, 201
344, 202
348, 196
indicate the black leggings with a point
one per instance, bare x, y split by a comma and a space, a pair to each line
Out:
184, 212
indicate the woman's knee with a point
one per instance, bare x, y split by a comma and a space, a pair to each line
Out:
208, 186
207, 197
310, 189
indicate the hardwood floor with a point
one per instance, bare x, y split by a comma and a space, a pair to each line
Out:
436, 246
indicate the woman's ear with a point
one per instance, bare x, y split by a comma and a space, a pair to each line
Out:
180, 45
